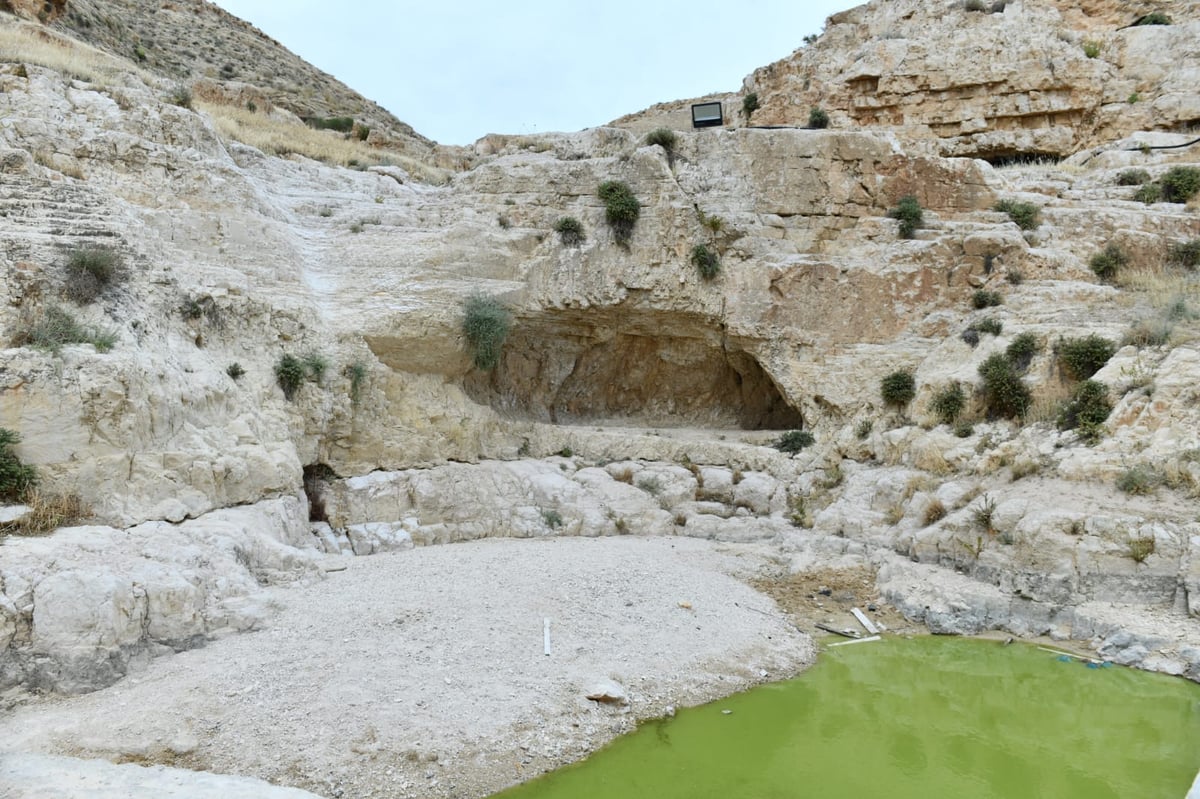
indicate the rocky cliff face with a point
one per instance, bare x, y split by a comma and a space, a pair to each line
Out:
1009, 81
227, 60
619, 353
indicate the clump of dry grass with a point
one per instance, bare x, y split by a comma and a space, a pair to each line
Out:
935, 511
36, 45
47, 513
280, 137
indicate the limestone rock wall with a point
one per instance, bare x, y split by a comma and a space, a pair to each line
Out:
77, 609
1018, 80
369, 270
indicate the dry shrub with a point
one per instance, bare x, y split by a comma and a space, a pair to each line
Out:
36, 45
929, 458
1024, 468
47, 513
278, 137
935, 511
624, 475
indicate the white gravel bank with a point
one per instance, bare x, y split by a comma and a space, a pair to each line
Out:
422, 673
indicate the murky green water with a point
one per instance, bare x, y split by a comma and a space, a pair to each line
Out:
929, 717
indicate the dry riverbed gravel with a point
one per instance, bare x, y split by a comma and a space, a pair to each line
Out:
423, 673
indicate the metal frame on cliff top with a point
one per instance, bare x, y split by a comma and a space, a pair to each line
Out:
707, 115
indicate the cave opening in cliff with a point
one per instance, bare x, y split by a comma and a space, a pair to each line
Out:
639, 368
316, 475
1003, 158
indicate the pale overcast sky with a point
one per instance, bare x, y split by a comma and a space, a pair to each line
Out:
458, 69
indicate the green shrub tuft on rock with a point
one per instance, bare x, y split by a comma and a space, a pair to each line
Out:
1086, 410
982, 298
289, 374
621, 209
1021, 350
706, 261
1005, 395
948, 403
90, 271
16, 478
908, 212
570, 231
486, 324
794, 441
1025, 215
1080, 358
1108, 262
898, 388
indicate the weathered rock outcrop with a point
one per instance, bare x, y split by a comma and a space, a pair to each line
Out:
78, 609
39, 10
203, 44
232, 257
1011, 81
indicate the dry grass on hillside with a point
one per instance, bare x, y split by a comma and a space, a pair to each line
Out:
280, 137
23, 43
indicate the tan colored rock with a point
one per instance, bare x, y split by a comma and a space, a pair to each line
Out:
1011, 84
44, 11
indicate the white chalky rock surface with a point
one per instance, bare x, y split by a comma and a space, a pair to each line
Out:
423, 672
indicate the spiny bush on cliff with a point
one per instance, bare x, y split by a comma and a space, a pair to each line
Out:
1180, 184
1004, 394
1154, 18
1086, 410
289, 373
1185, 254
982, 298
1025, 215
706, 261
750, 105
16, 478
948, 402
1080, 358
898, 388
570, 231
90, 271
1108, 262
666, 139
357, 374
1149, 194
315, 365
909, 214
57, 327
486, 324
340, 124
181, 96
818, 119
1133, 177
621, 209
1140, 480
794, 441
1021, 350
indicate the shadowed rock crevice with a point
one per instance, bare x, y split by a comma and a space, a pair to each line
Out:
1003, 157
660, 369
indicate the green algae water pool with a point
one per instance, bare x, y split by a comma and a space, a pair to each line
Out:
927, 717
